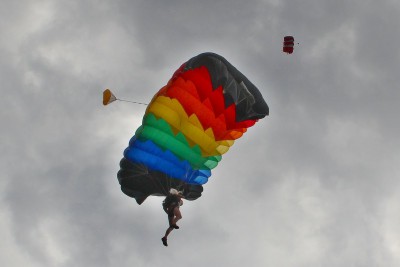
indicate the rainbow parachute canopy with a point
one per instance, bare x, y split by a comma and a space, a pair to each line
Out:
187, 127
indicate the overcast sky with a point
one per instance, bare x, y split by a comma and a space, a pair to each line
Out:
314, 184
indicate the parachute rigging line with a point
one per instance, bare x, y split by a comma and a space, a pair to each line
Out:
132, 101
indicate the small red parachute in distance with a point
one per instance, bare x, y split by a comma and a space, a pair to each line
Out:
288, 44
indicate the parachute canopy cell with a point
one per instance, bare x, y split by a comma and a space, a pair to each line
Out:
187, 127
288, 44
108, 97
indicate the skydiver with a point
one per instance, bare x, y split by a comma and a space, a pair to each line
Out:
171, 206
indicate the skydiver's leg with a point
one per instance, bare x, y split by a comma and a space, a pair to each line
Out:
164, 239
178, 216
172, 215
169, 230
172, 220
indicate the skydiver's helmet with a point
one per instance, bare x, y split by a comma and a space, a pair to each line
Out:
173, 191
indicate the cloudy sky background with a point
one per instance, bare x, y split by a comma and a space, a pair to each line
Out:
314, 184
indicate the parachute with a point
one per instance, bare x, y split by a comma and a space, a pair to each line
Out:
288, 44
187, 127
108, 97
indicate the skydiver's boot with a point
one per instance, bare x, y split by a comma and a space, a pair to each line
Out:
175, 226
164, 241
172, 224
